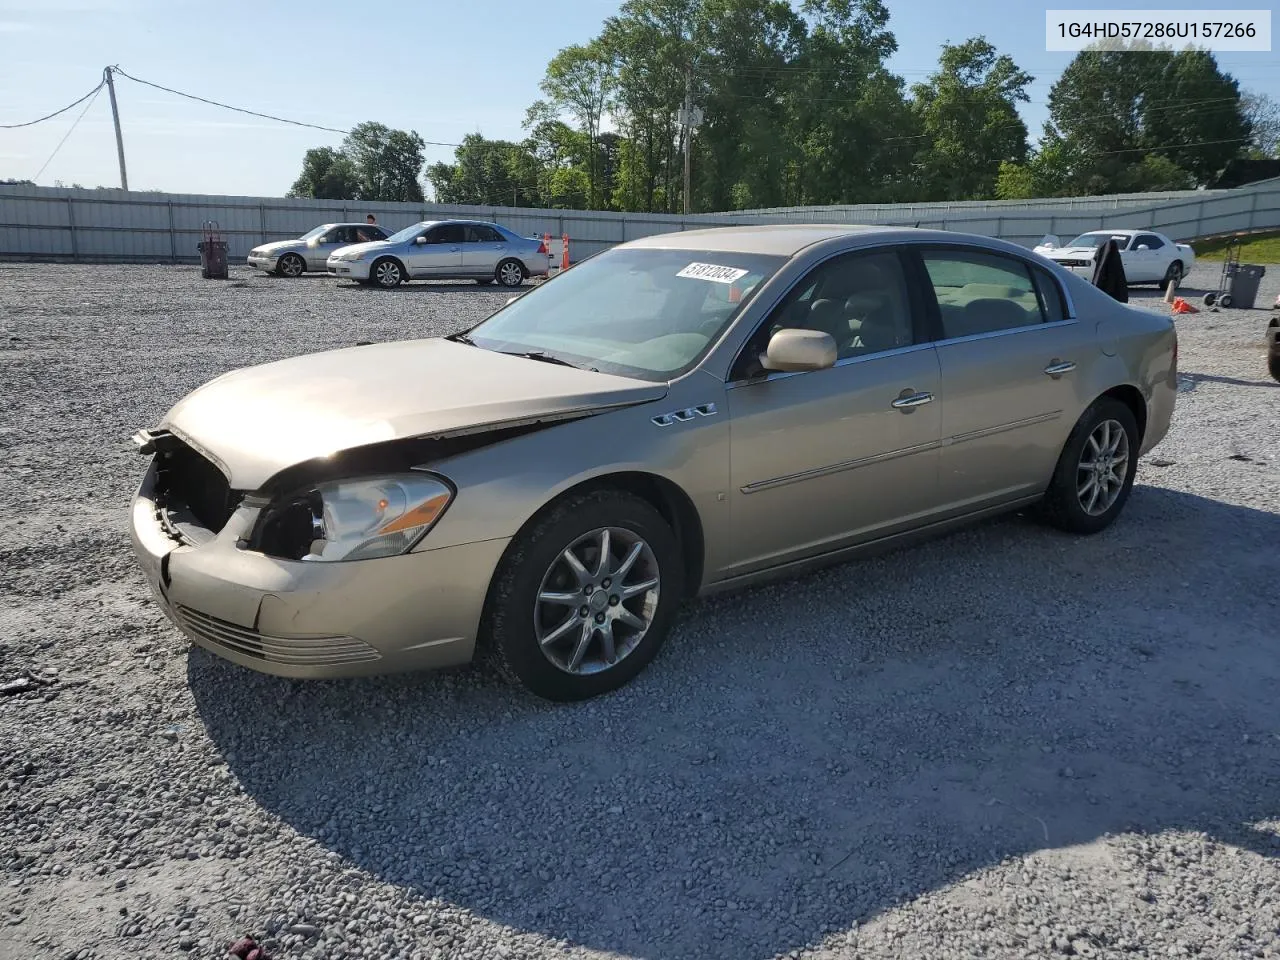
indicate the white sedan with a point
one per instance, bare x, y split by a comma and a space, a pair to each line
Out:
1148, 257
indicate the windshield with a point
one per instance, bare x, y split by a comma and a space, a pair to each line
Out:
633, 312
310, 234
407, 233
1093, 239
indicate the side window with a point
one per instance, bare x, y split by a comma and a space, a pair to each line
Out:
981, 292
447, 233
479, 233
1052, 304
1151, 240
376, 233
860, 299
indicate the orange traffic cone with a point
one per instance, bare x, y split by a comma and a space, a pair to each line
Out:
564, 257
1181, 306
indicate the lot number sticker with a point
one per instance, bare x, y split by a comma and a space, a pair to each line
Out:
712, 272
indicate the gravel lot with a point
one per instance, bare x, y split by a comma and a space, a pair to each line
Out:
1006, 743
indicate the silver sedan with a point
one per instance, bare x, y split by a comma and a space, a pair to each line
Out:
293, 258
444, 250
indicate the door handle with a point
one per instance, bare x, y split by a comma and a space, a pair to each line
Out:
909, 400
1059, 367
453, 249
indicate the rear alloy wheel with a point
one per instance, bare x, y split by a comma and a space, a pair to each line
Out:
1172, 276
1095, 471
584, 599
387, 273
510, 273
291, 265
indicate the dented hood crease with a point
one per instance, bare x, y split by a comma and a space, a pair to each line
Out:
260, 420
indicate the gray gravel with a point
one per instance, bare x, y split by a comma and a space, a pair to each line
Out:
1007, 743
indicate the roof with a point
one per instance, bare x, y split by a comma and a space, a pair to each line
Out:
787, 239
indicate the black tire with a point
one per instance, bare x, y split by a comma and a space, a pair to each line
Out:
508, 633
386, 273
1062, 506
1273, 365
507, 271
1224, 301
1210, 298
1172, 276
291, 265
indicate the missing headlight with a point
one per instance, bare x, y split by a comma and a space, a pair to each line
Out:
290, 528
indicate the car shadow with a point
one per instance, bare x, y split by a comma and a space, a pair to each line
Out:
1233, 381
806, 755
445, 286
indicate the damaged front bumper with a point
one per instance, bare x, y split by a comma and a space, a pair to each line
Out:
417, 611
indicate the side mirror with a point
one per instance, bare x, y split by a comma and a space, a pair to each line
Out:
793, 350
1143, 246
420, 239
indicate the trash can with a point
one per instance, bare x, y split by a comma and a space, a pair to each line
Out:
213, 259
1242, 286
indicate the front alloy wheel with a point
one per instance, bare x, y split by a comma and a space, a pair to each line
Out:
597, 601
387, 273
584, 596
292, 266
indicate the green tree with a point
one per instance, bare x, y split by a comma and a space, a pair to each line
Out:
1116, 107
968, 115
387, 162
1263, 114
580, 80
487, 172
327, 174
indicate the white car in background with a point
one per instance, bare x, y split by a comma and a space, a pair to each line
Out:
1148, 257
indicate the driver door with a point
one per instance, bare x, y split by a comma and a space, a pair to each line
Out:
436, 253
824, 459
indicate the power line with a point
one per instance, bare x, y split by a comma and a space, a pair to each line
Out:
254, 113
75, 123
32, 123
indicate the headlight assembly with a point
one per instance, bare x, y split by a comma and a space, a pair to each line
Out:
359, 519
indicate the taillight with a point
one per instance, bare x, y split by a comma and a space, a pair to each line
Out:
542, 247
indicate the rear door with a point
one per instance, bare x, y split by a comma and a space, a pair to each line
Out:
1009, 350
482, 248
439, 254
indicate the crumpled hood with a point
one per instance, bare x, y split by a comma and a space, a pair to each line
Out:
259, 420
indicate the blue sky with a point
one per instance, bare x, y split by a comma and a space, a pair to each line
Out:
443, 69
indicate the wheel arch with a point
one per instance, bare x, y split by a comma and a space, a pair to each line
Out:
1132, 398
665, 496
388, 256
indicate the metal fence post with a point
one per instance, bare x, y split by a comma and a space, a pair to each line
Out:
262, 220
1253, 207
71, 224
173, 235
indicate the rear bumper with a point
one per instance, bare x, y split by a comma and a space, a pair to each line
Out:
418, 611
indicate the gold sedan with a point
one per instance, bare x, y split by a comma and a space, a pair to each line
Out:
681, 414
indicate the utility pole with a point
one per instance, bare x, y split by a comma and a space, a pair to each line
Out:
115, 116
690, 118
687, 119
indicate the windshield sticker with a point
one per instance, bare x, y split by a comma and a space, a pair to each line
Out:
712, 272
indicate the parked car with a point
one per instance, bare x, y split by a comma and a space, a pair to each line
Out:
444, 250
1148, 257
679, 415
293, 258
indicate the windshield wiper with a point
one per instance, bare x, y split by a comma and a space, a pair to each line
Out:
538, 355
461, 338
